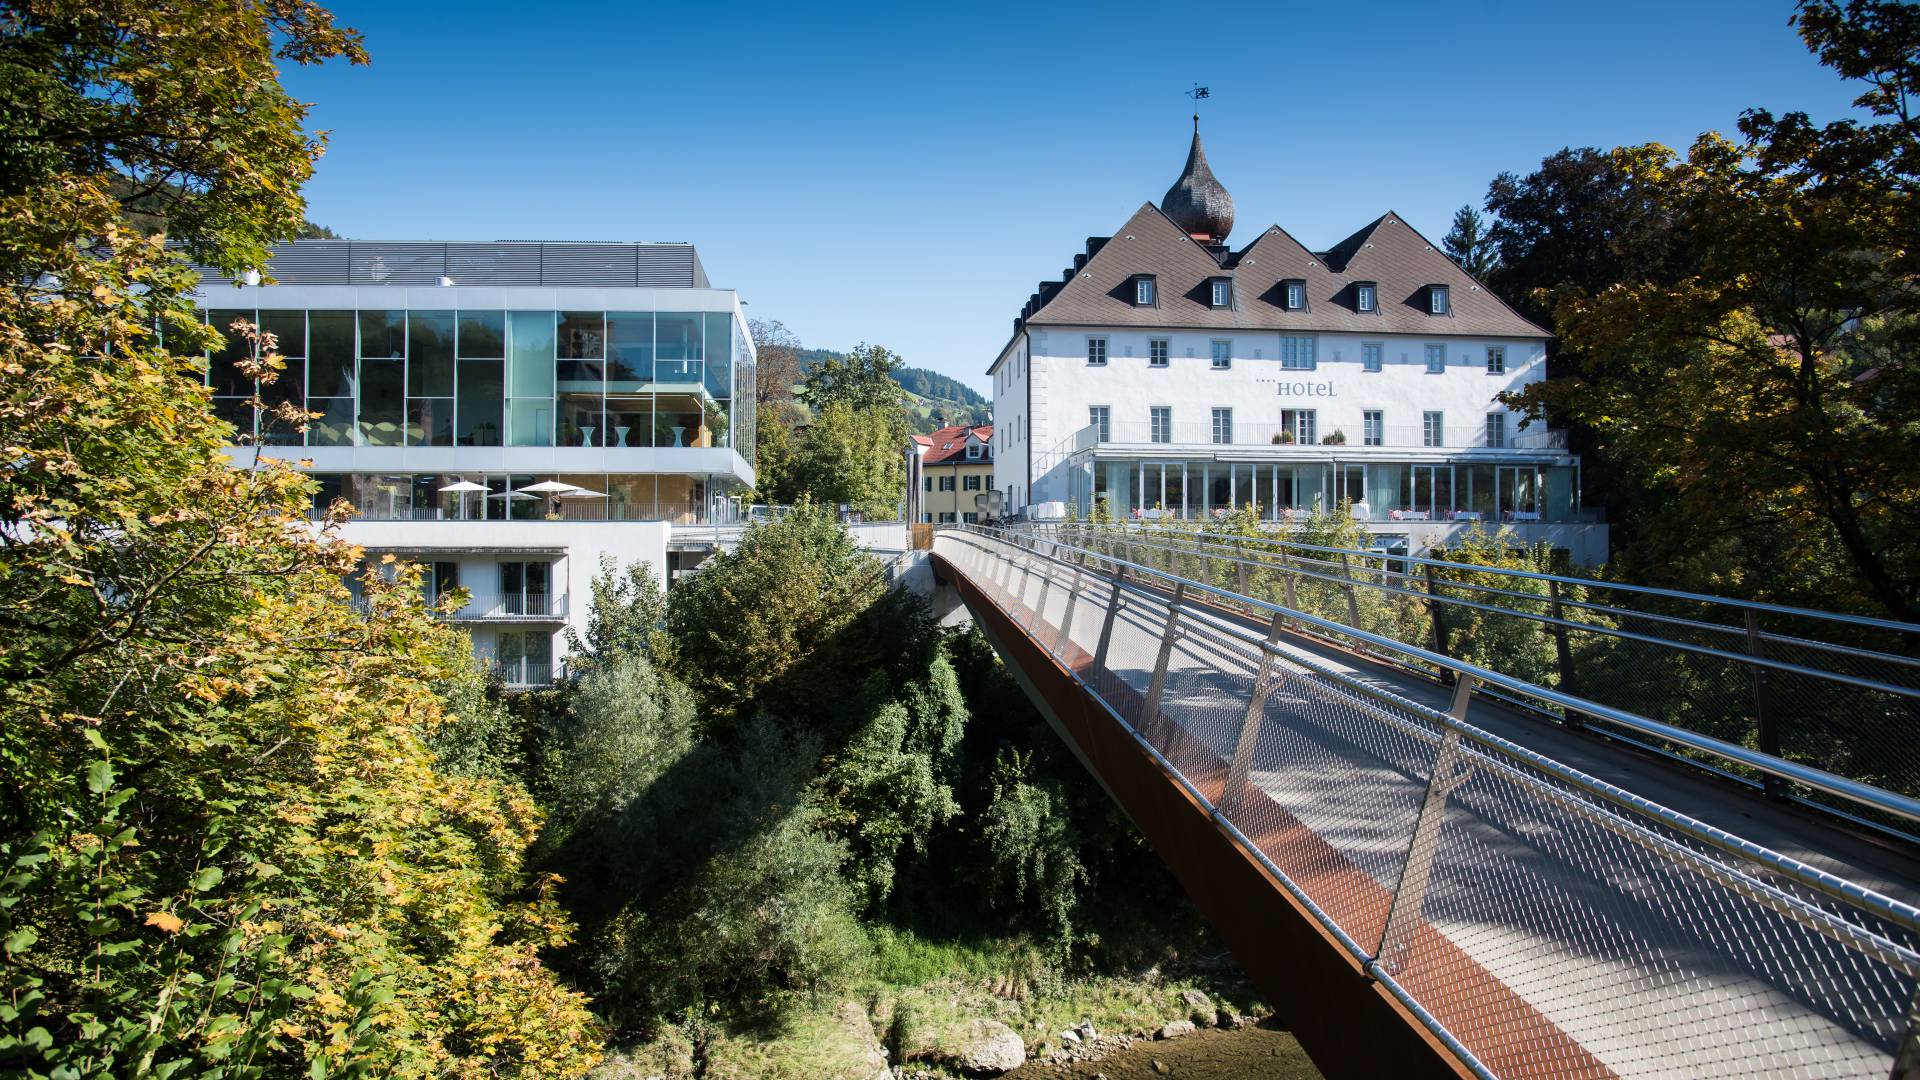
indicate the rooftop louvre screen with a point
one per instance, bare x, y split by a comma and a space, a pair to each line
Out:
351, 262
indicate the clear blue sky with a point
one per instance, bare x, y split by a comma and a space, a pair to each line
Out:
906, 173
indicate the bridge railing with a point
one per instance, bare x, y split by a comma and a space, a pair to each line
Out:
1540, 922
1812, 686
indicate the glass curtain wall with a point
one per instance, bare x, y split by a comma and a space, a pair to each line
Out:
496, 378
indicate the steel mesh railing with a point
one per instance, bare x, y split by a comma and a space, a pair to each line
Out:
1541, 922
1835, 691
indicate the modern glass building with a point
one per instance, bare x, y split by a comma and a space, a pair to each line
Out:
459, 388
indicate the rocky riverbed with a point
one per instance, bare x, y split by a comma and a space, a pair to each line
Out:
1263, 1052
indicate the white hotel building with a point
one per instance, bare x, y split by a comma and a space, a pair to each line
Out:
505, 413
1165, 373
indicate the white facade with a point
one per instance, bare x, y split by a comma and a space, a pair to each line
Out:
506, 437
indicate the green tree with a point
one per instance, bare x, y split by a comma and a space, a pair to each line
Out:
1770, 391
754, 614
853, 457
227, 846
626, 616
862, 380
1469, 245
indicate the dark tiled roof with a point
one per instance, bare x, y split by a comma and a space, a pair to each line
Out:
1387, 252
950, 445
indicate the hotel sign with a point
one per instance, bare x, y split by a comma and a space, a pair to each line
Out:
1306, 389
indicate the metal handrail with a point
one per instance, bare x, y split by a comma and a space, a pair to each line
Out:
1549, 620
1537, 575
1854, 791
1758, 874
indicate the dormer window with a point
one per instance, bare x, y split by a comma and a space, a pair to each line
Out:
1366, 297
1293, 295
1438, 300
973, 451
1145, 293
1222, 292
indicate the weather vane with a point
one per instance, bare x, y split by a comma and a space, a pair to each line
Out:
1198, 94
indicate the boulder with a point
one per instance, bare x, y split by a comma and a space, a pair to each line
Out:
989, 1048
1199, 1007
1174, 1029
1084, 1029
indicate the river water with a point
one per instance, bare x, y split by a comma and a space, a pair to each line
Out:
1252, 1053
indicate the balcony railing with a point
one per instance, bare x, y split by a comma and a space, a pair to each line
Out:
527, 606
1196, 433
524, 672
529, 510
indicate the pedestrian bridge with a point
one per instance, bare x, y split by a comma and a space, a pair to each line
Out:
1433, 867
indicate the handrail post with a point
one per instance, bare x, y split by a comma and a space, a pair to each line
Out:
1065, 635
1439, 624
1286, 584
1449, 771
1906, 1058
1150, 709
1565, 655
1040, 605
1106, 625
1353, 603
1774, 787
1265, 681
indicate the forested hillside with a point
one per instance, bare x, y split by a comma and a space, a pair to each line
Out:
936, 398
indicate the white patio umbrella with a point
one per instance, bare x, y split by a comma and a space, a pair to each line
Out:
461, 488
549, 487
583, 493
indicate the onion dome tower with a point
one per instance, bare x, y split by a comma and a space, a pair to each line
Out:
1196, 202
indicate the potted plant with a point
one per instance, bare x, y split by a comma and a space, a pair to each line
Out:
1336, 437
1283, 438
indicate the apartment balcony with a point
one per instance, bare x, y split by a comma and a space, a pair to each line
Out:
1195, 434
524, 673
523, 608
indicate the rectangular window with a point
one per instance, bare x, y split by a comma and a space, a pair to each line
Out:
1160, 420
1436, 359
970, 483
1223, 425
1222, 293
1496, 360
1222, 355
1496, 429
1143, 291
1373, 428
946, 517
1157, 352
946, 483
1100, 417
926, 483
1433, 431
970, 518
1301, 424
1438, 300
524, 588
530, 378
1370, 358
1096, 352
1296, 353
1296, 293
1365, 298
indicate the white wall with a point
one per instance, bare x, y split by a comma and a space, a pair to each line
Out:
479, 546
1012, 425
1257, 388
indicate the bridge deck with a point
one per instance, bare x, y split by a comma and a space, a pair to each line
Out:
1612, 957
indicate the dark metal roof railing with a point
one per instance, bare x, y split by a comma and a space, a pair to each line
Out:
497, 263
